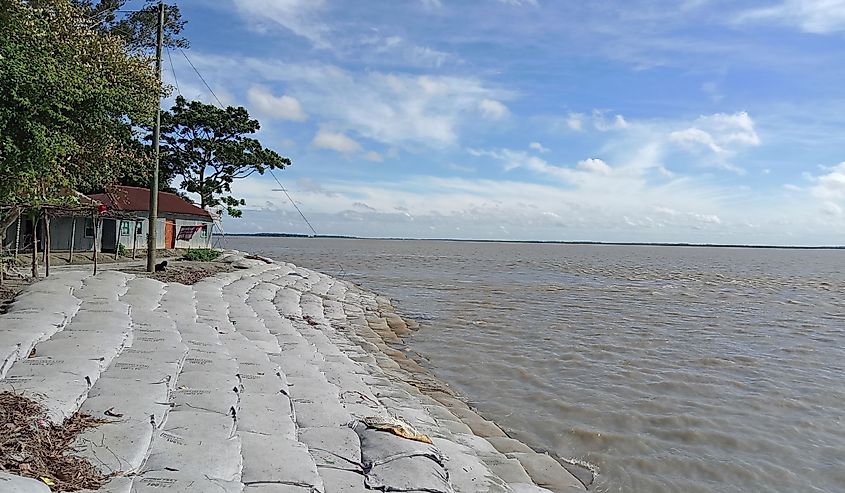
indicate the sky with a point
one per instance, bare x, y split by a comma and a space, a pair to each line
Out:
702, 121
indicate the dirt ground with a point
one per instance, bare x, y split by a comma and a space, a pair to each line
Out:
182, 271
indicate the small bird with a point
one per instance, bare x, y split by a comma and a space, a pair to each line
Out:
162, 266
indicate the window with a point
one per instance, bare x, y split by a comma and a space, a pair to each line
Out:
89, 228
139, 227
124, 228
204, 231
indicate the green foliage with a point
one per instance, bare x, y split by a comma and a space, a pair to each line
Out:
136, 27
201, 254
208, 148
121, 250
67, 94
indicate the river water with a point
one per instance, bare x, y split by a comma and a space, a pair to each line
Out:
668, 369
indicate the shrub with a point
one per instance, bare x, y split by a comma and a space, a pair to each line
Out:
201, 254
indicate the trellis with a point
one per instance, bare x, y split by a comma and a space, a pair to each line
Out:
92, 209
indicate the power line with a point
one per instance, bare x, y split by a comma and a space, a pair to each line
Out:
201, 77
175, 80
282, 187
285, 190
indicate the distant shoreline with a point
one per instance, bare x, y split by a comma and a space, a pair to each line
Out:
551, 242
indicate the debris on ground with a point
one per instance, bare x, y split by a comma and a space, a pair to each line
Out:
31, 446
395, 426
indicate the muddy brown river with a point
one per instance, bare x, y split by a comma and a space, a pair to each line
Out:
667, 369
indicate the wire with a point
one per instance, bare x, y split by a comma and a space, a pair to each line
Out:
285, 190
201, 77
175, 80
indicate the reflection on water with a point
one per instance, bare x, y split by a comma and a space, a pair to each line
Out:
670, 369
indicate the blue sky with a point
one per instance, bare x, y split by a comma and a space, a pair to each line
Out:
639, 120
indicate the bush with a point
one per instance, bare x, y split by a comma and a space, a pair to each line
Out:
201, 254
121, 250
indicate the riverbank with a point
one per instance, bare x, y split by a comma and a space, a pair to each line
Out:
270, 377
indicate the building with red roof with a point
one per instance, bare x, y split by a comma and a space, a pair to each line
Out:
181, 224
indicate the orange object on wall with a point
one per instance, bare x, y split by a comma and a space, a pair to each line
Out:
169, 233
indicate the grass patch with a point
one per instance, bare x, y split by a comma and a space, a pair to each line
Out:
201, 254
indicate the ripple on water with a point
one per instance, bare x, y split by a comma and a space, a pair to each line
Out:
694, 370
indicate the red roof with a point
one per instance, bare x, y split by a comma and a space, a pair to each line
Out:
138, 199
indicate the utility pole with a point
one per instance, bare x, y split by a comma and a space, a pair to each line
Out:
153, 222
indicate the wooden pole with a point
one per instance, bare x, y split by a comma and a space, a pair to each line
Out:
35, 246
96, 235
72, 240
153, 216
46, 244
17, 237
119, 223
134, 239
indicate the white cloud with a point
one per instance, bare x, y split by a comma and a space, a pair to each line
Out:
830, 186
575, 121
594, 165
336, 141
373, 156
492, 109
431, 4
299, 16
538, 147
263, 102
601, 124
403, 110
519, 3
407, 52
722, 134
812, 16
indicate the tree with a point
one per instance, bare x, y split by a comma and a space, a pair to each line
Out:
207, 148
136, 27
67, 94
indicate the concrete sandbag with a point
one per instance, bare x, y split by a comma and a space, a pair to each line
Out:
210, 364
186, 422
262, 382
114, 485
135, 400
135, 367
269, 414
342, 481
9, 483
119, 446
179, 482
60, 394
275, 459
408, 474
320, 413
211, 379
467, 473
381, 446
277, 488
100, 346
213, 400
548, 473
339, 448
195, 455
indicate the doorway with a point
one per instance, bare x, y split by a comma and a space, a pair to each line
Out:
169, 233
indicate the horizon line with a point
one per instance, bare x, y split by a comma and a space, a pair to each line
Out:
559, 242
